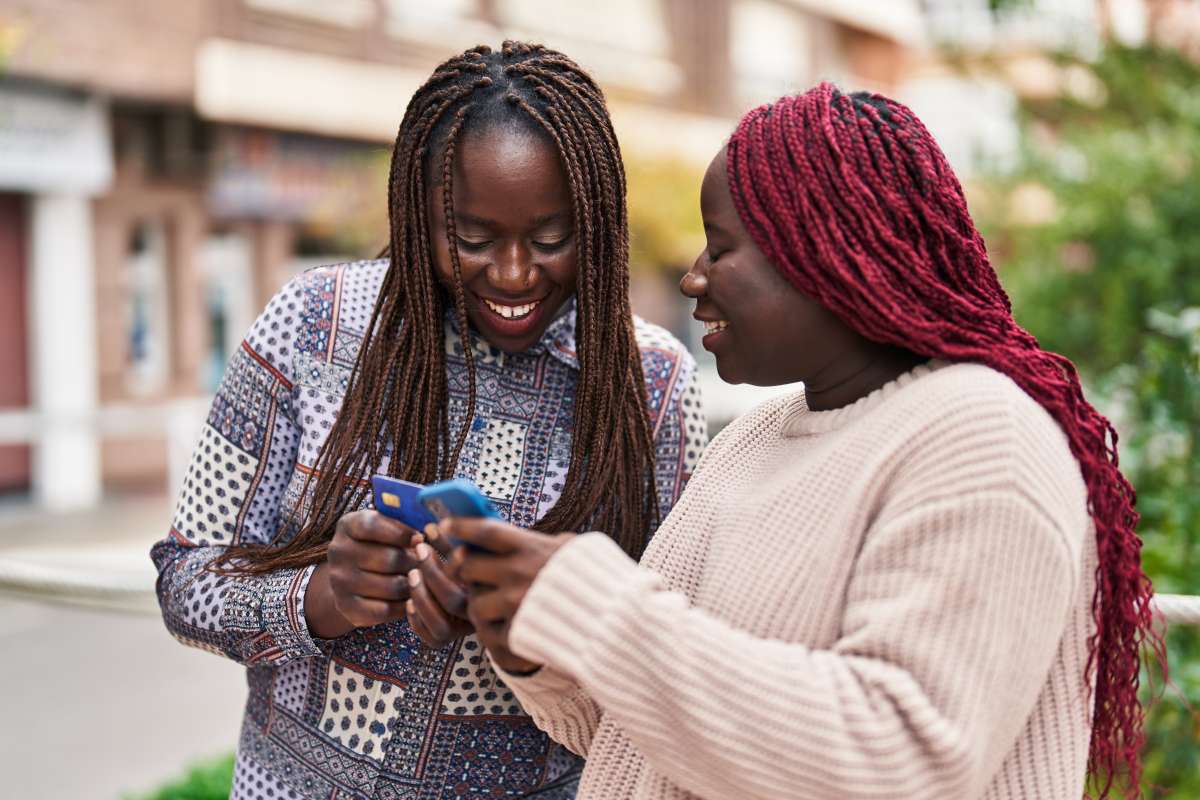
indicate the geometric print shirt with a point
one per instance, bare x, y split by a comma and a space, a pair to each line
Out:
376, 713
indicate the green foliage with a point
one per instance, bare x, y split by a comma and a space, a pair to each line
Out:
208, 780
1111, 279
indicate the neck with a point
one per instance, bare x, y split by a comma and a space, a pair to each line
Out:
851, 380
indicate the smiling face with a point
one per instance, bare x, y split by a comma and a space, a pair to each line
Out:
760, 328
514, 228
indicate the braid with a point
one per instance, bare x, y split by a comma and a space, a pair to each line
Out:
460, 302
853, 201
396, 407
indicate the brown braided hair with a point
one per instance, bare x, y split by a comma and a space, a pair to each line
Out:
397, 400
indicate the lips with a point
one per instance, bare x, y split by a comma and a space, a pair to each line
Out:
510, 311
511, 322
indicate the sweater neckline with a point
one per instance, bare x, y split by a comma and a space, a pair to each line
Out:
800, 420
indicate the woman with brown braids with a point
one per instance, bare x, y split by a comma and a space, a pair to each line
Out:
495, 344
917, 577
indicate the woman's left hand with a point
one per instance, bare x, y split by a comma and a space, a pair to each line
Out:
499, 578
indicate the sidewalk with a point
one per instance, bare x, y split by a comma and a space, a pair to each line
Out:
99, 700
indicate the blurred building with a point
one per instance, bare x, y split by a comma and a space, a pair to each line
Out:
164, 167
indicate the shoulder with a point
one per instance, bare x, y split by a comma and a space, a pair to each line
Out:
660, 349
667, 366
304, 316
972, 428
972, 398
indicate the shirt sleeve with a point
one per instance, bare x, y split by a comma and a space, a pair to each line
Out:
954, 613
233, 492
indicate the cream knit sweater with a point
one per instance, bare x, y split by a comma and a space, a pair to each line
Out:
888, 600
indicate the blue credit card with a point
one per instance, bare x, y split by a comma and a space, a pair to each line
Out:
397, 499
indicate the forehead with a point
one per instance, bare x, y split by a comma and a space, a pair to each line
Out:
714, 191
506, 165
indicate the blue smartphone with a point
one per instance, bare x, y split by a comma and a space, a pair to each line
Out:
398, 499
457, 498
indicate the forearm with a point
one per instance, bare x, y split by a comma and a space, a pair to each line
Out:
250, 619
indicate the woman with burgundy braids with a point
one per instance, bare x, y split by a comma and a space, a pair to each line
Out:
918, 577
494, 343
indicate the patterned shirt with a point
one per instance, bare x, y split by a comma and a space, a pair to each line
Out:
376, 714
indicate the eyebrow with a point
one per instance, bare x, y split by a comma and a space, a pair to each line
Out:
484, 222
712, 227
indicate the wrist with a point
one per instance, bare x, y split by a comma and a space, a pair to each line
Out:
320, 612
516, 666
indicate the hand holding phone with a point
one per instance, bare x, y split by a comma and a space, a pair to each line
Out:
457, 498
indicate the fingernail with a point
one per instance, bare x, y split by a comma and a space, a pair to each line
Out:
423, 551
414, 578
411, 608
431, 531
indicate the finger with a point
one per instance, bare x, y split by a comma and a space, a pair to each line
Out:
435, 619
419, 627
371, 526
439, 543
490, 534
365, 611
492, 607
482, 568
373, 586
449, 595
382, 558
488, 635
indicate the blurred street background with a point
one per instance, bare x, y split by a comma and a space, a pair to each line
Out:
166, 166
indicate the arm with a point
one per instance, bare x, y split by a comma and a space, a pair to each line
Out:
232, 493
953, 617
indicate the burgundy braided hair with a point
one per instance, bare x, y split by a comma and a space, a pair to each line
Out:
850, 197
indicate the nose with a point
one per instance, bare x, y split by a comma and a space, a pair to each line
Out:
694, 283
513, 271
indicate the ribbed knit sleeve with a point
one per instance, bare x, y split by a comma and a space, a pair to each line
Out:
559, 706
955, 607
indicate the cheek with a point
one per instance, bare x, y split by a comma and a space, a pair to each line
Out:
469, 264
563, 269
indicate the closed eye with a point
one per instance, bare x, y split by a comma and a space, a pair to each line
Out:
552, 245
473, 245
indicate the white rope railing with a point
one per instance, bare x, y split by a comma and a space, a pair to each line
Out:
1178, 609
134, 592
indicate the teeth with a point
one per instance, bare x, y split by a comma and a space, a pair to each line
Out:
713, 327
512, 312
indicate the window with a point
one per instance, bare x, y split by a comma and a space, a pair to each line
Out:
226, 264
772, 51
147, 341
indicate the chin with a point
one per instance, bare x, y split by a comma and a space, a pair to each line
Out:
729, 372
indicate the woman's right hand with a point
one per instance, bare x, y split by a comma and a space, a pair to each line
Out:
364, 578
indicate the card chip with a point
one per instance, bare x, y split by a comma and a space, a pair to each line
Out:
390, 500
